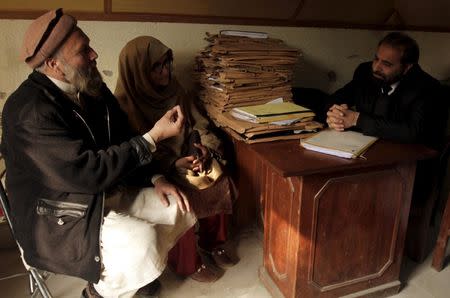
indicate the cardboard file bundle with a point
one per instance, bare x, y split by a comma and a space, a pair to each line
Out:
240, 68
262, 132
269, 113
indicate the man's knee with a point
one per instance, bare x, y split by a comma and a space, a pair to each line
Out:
127, 233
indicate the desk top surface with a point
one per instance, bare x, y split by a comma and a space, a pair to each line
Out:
288, 158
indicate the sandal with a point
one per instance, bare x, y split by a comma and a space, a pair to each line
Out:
205, 274
221, 258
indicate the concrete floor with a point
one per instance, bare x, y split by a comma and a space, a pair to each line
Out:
420, 280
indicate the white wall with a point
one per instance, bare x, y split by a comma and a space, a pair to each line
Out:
324, 50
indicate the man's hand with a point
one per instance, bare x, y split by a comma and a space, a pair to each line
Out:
171, 124
163, 188
340, 117
335, 117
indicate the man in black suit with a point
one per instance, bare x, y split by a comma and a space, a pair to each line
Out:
391, 97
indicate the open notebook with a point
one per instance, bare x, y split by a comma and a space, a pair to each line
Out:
348, 144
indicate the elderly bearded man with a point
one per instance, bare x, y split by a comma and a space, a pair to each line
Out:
68, 153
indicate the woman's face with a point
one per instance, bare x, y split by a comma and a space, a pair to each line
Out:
160, 73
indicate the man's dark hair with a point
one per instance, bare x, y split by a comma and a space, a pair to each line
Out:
406, 44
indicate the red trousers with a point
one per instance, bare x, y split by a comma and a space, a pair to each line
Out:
184, 258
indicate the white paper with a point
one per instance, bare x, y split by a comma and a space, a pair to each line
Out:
250, 34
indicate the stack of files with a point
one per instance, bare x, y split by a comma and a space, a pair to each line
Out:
347, 144
240, 68
262, 132
269, 113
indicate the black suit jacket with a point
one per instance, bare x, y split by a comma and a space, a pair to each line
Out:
414, 112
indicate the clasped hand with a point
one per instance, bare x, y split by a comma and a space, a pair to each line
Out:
340, 117
195, 163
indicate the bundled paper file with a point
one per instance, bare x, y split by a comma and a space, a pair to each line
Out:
237, 71
286, 112
240, 69
348, 144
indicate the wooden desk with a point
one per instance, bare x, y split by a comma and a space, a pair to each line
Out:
332, 226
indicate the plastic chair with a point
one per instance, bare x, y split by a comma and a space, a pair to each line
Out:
36, 278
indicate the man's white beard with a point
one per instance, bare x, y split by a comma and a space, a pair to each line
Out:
87, 80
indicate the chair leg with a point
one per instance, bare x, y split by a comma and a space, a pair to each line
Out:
31, 284
442, 239
439, 253
417, 236
39, 282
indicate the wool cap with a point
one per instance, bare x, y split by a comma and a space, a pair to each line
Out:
45, 35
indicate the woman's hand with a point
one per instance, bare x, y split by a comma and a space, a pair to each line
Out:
195, 163
203, 158
186, 162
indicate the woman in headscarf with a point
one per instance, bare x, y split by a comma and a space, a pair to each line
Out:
146, 89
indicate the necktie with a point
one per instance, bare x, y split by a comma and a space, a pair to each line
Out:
385, 89
382, 102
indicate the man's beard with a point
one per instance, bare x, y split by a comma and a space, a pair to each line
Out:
383, 79
87, 80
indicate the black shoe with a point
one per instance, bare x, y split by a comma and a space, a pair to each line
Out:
150, 290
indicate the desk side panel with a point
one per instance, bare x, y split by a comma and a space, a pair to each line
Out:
281, 234
335, 234
357, 229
